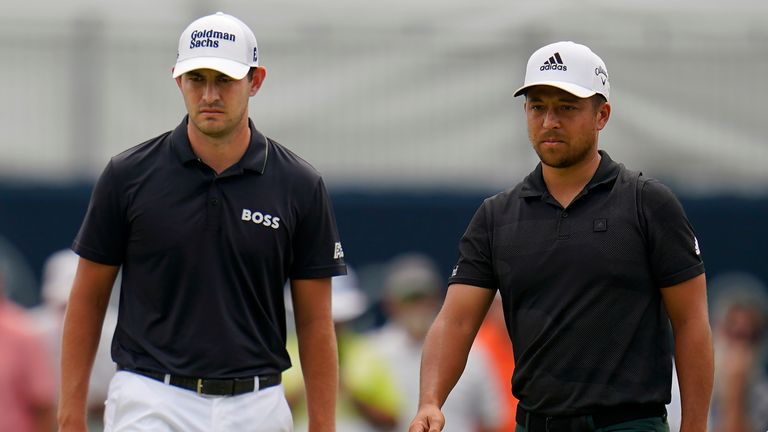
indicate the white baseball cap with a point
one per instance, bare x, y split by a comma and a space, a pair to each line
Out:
568, 66
348, 300
220, 42
58, 276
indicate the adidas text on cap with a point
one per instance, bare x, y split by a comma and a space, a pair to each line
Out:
220, 42
568, 66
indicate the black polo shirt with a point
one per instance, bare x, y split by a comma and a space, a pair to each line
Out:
205, 257
581, 286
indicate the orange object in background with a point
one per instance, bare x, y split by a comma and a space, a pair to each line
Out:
494, 340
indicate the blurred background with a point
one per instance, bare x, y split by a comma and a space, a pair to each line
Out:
405, 107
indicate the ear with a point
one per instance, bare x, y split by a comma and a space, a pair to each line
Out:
602, 115
177, 79
258, 79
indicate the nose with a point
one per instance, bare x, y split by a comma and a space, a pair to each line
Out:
211, 92
551, 121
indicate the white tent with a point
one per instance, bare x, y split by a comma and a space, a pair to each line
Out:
397, 93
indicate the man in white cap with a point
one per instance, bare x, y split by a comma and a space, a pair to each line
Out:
208, 222
597, 266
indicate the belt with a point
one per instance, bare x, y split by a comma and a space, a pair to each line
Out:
600, 419
211, 386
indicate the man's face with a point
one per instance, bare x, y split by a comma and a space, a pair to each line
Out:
217, 103
563, 128
415, 313
743, 325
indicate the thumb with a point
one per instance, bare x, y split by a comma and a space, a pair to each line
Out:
425, 425
435, 424
419, 427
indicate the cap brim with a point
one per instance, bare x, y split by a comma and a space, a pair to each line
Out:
573, 89
230, 68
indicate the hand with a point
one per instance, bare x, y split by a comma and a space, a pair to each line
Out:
428, 419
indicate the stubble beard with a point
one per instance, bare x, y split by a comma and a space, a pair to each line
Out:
566, 158
217, 128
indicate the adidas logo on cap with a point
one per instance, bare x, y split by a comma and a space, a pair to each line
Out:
584, 75
554, 63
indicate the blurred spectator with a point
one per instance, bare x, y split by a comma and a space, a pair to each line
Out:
27, 385
58, 275
740, 397
740, 334
20, 285
493, 339
412, 297
367, 401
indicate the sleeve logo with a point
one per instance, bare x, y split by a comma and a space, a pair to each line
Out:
338, 252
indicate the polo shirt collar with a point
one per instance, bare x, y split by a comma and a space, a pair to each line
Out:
533, 185
254, 159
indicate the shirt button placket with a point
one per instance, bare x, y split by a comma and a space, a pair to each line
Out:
563, 225
213, 207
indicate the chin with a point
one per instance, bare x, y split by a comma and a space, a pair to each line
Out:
211, 127
557, 164
554, 160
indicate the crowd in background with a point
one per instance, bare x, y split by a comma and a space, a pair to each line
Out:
382, 313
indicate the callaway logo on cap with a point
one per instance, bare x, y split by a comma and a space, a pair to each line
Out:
220, 42
568, 66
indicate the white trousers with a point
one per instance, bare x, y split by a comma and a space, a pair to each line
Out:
137, 403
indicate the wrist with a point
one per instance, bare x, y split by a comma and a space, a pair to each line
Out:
429, 401
68, 416
72, 423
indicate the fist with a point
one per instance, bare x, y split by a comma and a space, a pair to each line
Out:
428, 419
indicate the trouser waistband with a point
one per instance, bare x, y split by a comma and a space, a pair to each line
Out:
211, 386
599, 419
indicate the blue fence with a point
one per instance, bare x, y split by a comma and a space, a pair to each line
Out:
40, 219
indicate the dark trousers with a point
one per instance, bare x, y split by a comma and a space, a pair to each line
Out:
650, 424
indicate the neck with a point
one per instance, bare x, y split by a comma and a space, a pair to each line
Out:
564, 184
220, 151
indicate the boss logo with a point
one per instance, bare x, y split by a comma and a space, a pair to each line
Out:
260, 218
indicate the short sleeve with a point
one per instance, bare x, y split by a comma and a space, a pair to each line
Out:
475, 264
317, 250
673, 248
102, 235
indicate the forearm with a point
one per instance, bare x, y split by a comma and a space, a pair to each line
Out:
445, 351
443, 359
319, 362
82, 329
695, 366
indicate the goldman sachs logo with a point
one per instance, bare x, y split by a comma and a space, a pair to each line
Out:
208, 38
